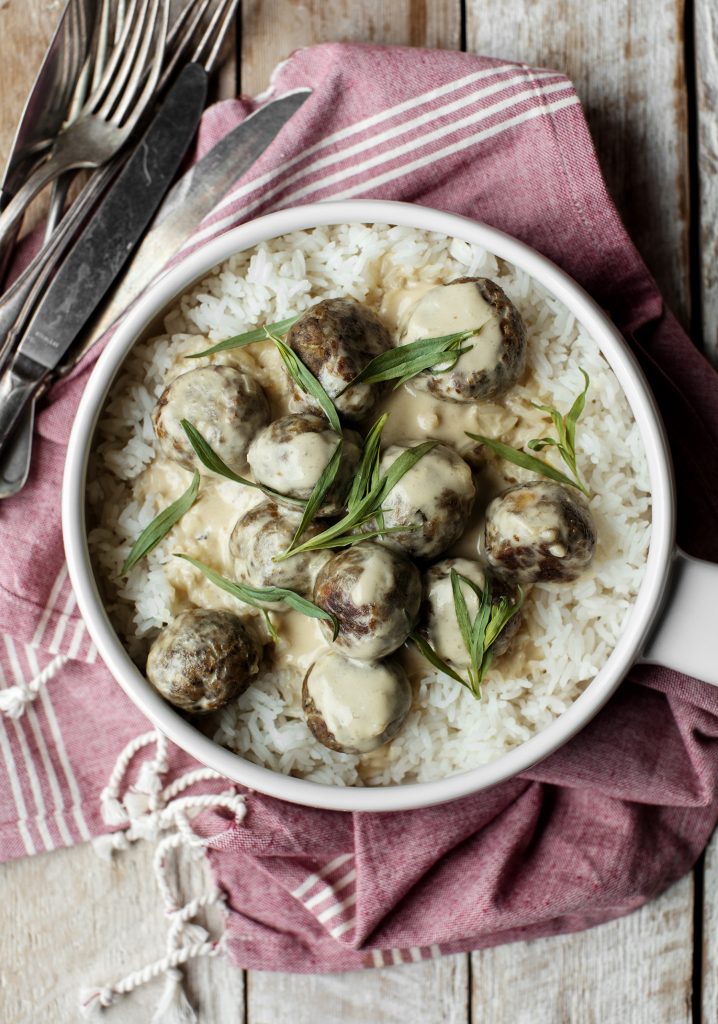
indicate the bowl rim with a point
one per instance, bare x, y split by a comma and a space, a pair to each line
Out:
175, 281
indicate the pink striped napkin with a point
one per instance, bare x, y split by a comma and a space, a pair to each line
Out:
594, 831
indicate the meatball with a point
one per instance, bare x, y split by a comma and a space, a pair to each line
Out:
539, 531
292, 453
227, 406
439, 612
355, 706
436, 494
335, 339
202, 660
262, 533
498, 354
375, 594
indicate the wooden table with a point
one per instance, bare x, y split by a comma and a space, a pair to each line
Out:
647, 72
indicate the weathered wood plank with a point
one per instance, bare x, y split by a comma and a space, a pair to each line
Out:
80, 921
706, 50
435, 992
709, 952
626, 61
429, 992
636, 970
272, 29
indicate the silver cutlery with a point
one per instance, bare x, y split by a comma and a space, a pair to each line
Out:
48, 101
112, 110
104, 246
187, 203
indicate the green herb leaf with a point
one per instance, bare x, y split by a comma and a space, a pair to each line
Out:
280, 328
480, 635
307, 382
367, 473
565, 443
319, 490
433, 658
523, 459
256, 596
160, 526
211, 460
406, 361
364, 508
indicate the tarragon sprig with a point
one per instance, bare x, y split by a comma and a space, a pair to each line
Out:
478, 634
406, 361
278, 329
257, 596
161, 526
366, 497
565, 444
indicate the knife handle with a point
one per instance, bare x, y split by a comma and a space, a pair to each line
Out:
17, 388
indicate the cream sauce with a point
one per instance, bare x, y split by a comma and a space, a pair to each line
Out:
447, 309
424, 484
358, 701
444, 633
295, 465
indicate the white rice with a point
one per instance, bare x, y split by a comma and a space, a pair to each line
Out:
569, 629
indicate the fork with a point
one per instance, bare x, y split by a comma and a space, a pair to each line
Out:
112, 110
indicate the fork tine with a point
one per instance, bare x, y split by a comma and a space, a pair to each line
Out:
130, 71
103, 28
178, 44
155, 67
210, 61
115, 56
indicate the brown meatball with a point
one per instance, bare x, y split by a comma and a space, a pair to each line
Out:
266, 531
202, 660
292, 453
439, 622
436, 495
227, 406
539, 531
375, 594
355, 706
498, 350
335, 339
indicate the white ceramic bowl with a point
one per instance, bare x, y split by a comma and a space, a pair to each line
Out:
685, 630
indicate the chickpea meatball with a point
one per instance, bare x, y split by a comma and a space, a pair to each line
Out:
355, 706
375, 594
498, 354
266, 531
292, 453
202, 660
539, 531
436, 494
335, 339
439, 612
227, 406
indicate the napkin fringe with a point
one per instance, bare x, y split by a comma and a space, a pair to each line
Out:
145, 811
15, 699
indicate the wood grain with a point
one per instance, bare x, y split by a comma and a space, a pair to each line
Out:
636, 970
626, 60
272, 29
706, 50
435, 992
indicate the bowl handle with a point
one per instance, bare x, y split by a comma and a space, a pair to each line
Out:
685, 637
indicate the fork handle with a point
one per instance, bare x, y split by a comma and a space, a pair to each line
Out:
18, 386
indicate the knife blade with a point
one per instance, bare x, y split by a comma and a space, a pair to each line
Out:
186, 204
104, 246
193, 197
48, 100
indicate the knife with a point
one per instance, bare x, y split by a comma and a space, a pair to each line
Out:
188, 202
103, 248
